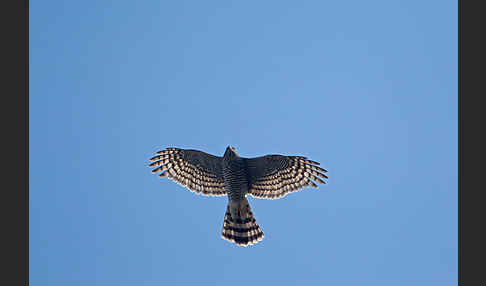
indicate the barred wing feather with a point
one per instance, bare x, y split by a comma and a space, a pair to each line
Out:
198, 171
274, 176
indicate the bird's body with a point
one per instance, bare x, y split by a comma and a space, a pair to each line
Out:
235, 176
270, 177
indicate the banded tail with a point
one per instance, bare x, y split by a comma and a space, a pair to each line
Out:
241, 227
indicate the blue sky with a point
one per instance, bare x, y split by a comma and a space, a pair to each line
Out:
369, 89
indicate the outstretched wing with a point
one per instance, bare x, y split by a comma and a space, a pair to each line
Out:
274, 176
198, 171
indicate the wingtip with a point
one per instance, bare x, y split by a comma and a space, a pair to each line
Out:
163, 174
153, 164
154, 158
155, 170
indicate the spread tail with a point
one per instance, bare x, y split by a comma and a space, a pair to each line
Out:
241, 227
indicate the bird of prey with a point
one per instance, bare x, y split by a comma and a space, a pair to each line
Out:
266, 177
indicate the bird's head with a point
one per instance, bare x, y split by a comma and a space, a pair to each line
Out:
230, 151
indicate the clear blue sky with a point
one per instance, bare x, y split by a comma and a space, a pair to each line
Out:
367, 88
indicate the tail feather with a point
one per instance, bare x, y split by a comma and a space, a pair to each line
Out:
241, 228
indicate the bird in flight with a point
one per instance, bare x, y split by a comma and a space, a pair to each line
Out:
266, 177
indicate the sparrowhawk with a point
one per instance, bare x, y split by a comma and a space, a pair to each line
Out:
266, 177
